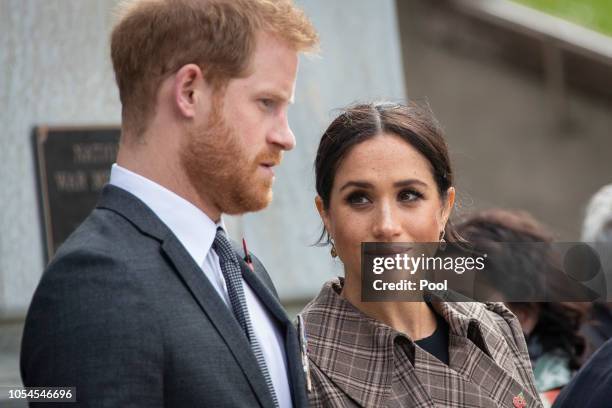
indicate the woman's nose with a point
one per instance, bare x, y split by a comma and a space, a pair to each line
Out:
387, 226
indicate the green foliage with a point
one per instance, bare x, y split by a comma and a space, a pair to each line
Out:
594, 14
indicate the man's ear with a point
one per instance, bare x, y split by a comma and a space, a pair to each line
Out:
322, 212
190, 89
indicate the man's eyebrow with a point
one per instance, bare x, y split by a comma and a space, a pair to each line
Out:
279, 96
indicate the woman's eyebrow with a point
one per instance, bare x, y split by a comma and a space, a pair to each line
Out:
356, 183
368, 185
409, 182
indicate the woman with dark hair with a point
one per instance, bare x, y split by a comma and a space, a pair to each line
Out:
551, 328
383, 175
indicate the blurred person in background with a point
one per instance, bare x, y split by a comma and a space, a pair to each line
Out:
597, 231
550, 328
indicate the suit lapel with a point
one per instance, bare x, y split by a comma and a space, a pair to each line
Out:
143, 218
292, 351
263, 293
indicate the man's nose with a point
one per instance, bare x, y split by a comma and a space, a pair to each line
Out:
282, 135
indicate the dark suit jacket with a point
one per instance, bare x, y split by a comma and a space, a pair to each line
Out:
125, 315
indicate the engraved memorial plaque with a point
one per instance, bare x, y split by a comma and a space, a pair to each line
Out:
73, 166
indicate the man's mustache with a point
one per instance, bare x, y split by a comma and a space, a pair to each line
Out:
269, 158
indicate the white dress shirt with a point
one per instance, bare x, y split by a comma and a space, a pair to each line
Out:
196, 231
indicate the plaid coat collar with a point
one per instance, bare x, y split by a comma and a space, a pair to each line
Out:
356, 352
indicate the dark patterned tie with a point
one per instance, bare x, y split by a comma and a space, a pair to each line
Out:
233, 279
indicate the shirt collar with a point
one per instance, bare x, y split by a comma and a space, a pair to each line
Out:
193, 228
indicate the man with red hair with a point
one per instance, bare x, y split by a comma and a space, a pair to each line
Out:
148, 303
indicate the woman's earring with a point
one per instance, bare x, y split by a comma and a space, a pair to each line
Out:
442, 245
332, 251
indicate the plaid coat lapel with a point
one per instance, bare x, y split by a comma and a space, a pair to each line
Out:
359, 356
482, 357
350, 351
358, 361
472, 321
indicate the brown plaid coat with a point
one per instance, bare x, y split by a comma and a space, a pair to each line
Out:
356, 361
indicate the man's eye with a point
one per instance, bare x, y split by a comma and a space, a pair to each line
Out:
409, 195
267, 103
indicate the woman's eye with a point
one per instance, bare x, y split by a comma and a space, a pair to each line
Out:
357, 199
409, 195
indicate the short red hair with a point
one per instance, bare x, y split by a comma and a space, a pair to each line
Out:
154, 38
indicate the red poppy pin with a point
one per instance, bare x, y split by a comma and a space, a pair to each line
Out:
247, 257
519, 401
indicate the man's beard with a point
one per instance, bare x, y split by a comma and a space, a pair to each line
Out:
221, 170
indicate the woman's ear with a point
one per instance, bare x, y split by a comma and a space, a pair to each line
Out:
448, 204
322, 212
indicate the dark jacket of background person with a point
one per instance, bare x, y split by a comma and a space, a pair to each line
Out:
592, 385
597, 232
597, 328
137, 323
551, 328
